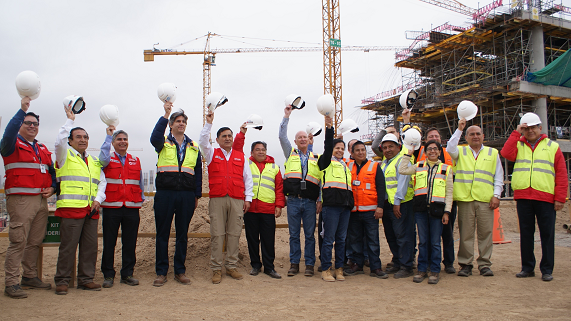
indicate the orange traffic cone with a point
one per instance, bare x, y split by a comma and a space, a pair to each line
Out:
498, 236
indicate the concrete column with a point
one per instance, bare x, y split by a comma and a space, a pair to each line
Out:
537, 62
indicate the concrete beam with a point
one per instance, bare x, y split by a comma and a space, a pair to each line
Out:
542, 90
565, 145
549, 20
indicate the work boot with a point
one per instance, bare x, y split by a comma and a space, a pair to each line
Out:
433, 278
465, 270
379, 273
61, 289
130, 280
255, 271
546, 277
403, 273
234, 274
419, 277
15, 292
524, 274
182, 279
309, 271
216, 276
339, 274
34, 283
393, 269
293, 270
449, 269
108, 282
326, 276
486, 271
353, 269
90, 286
160, 280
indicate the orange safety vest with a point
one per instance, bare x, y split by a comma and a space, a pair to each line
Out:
123, 181
365, 194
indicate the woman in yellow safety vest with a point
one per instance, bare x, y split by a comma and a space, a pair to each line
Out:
433, 189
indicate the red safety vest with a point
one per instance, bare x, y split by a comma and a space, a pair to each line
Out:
365, 194
26, 173
447, 158
123, 181
226, 177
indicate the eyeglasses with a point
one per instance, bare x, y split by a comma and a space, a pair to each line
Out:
30, 123
432, 149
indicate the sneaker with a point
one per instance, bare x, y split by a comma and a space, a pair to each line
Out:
108, 282
449, 269
433, 278
255, 271
61, 289
403, 273
160, 280
216, 276
234, 274
293, 270
546, 277
465, 270
34, 283
326, 276
130, 280
419, 277
89, 286
486, 271
379, 273
524, 274
393, 269
339, 274
309, 271
15, 292
353, 270
182, 279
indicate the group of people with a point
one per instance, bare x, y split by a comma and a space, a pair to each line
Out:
412, 192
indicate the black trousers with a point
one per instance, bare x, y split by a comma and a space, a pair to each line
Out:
390, 235
448, 255
261, 228
527, 211
128, 219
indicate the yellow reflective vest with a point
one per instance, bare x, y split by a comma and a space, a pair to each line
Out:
264, 182
293, 167
77, 181
535, 169
438, 188
392, 181
168, 158
475, 177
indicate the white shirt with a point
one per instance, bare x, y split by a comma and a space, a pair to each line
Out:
61, 153
208, 153
452, 149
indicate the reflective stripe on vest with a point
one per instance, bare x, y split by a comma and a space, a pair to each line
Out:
438, 188
264, 183
23, 165
78, 182
168, 158
364, 194
293, 168
392, 181
17, 190
475, 177
337, 175
27, 169
535, 169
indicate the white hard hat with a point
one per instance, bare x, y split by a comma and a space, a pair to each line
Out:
254, 121
167, 92
28, 84
348, 126
326, 105
412, 139
408, 98
75, 102
313, 128
467, 110
215, 100
295, 101
390, 138
109, 114
530, 119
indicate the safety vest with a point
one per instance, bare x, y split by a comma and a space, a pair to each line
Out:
475, 177
293, 168
337, 175
77, 181
535, 169
447, 158
438, 188
365, 193
168, 158
123, 181
226, 177
264, 182
26, 172
392, 181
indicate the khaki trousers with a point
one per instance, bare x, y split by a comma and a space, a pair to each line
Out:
28, 223
226, 220
472, 215
73, 232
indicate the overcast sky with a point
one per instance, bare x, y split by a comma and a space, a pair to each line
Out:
95, 49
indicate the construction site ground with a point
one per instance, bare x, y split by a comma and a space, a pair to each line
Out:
501, 297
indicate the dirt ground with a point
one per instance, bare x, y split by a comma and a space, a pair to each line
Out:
502, 297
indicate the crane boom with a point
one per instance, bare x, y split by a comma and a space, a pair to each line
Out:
452, 5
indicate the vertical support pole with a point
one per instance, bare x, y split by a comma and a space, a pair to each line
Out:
537, 62
332, 57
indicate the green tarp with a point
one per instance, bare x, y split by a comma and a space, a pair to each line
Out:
557, 73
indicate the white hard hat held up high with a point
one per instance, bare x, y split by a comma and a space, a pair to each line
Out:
390, 138
109, 114
408, 98
412, 139
313, 128
76, 103
254, 121
530, 119
28, 84
215, 100
295, 101
467, 110
326, 105
167, 92
348, 126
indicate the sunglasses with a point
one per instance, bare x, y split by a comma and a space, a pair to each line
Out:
30, 123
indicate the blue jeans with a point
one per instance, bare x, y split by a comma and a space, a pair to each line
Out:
404, 232
298, 210
335, 224
429, 233
363, 236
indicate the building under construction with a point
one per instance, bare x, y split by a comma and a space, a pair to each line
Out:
488, 63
